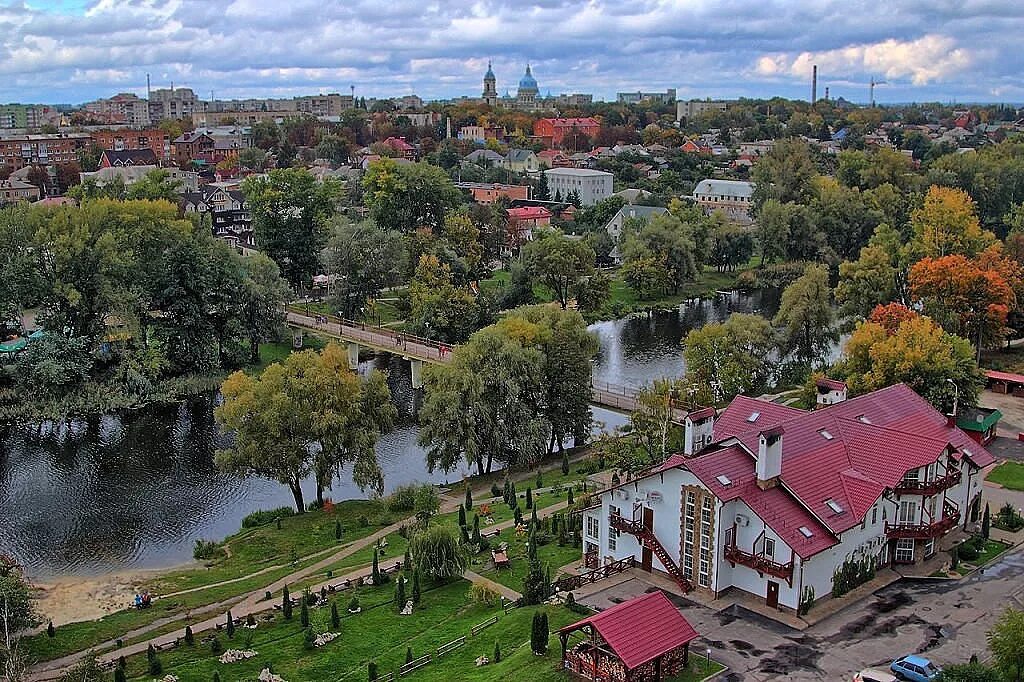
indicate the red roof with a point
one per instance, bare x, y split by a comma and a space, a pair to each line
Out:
831, 384
867, 444
640, 629
701, 414
587, 122
1005, 376
529, 213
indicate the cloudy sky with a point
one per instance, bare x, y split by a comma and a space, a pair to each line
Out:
75, 50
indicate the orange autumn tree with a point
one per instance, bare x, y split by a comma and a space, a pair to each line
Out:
890, 317
970, 298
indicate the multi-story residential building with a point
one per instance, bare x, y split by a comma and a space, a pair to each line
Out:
123, 108
210, 146
28, 115
41, 150
522, 161
696, 107
591, 185
576, 99
731, 197
13, 190
156, 140
173, 103
125, 158
773, 501
228, 209
554, 132
667, 97
323, 105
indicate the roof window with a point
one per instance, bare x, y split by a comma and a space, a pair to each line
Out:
753, 417
863, 419
825, 434
805, 531
834, 506
723, 479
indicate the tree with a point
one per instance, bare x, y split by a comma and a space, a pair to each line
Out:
970, 672
190, 638
731, 246
439, 309
986, 523
364, 260
786, 173
559, 262
671, 243
438, 553
400, 591
805, 316
335, 618
866, 282
919, 354
731, 357
416, 585
286, 604
289, 211
334, 148
309, 403
539, 633
17, 612
773, 229
154, 186
1006, 642
541, 192
964, 296
947, 224
652, 422
406, 197
263, 294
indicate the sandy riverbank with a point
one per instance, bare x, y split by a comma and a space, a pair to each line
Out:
66, 599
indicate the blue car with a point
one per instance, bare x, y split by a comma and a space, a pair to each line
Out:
915, 669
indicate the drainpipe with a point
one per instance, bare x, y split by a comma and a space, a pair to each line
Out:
718, 543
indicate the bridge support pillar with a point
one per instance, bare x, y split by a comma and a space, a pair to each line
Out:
417, 372
353, 355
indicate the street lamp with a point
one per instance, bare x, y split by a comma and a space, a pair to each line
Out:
956, 395
709, 660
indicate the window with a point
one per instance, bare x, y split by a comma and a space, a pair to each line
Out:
753, 417
929, 547
612, 541
908, 511
688, 565
769, 548
593, 527
905, 550
834, 506
806, 532
874, 515
912, 476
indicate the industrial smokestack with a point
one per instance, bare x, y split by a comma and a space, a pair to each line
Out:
814, 84
826, 93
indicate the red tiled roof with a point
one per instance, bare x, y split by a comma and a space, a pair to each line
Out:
571, 122
701, 414
529, 213
776, 506
865, 445
1005, 376
831, 384
640, 629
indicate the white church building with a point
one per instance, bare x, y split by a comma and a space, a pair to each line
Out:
772, 500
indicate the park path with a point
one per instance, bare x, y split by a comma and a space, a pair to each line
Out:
254, 603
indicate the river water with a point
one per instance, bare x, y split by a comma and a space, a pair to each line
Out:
136, 490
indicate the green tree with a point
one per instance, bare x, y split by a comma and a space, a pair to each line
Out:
785, 174
731, 357
731, 246
805, 316
652, 422
970, 672
438, 553
986, 523
440, 309
672, 243
539, 633
334, 148
155, 185
286, 604
400, 591
406, 197
1006, 642
309, 401
263, 294
364, 260
866, 282
290, 210
559, 262
21, 286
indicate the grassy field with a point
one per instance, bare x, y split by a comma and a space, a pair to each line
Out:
378, 634
993, 548
1009, 475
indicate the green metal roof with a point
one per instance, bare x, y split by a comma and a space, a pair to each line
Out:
13, 346
970, 422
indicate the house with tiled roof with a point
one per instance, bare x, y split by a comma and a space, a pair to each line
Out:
775, 501
125, 158
229, 212
553, 132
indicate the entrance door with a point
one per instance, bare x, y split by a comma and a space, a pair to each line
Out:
772, 601
646, 557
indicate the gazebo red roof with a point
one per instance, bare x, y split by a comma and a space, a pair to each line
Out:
640, 629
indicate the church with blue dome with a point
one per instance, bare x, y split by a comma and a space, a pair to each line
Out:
527, 96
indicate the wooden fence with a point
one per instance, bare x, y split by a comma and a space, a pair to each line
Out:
475, 630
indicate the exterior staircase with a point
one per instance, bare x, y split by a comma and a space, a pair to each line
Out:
648, 539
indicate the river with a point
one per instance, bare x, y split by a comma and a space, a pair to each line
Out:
136, 490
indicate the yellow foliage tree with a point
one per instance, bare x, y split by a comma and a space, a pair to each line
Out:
947, 223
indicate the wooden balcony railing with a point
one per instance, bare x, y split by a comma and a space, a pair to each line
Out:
925, 531
928, 488
760, 563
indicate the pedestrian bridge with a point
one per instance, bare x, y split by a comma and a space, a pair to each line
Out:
418, 350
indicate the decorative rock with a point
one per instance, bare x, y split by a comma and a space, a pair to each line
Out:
407, 611
325, 638
482, 660
267, 676
168, 678
236, 655
355, 610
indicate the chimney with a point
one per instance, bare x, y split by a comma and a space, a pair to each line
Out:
951, 420
826, 93
769, 457
699, 428
814, 84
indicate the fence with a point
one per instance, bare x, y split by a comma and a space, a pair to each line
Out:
414, 664
572, 582
475, 630
451, 646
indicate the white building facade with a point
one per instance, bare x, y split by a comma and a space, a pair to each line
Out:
774, 501
592, 185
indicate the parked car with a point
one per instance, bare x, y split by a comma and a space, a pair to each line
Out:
915, 669
873, 675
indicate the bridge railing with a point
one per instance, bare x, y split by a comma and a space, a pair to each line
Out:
386, 337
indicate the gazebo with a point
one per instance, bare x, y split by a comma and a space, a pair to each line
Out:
645, 639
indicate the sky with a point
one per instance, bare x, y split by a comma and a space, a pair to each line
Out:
71, 51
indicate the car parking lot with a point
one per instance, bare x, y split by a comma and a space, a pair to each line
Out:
946, 621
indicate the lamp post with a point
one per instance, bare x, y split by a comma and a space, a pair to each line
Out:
709, 660
956, 396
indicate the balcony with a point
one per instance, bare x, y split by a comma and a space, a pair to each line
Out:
760, 563
925, 531
928, 488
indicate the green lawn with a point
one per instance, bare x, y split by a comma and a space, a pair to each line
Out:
993, 548
1009, 475
551, 555
378, 634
